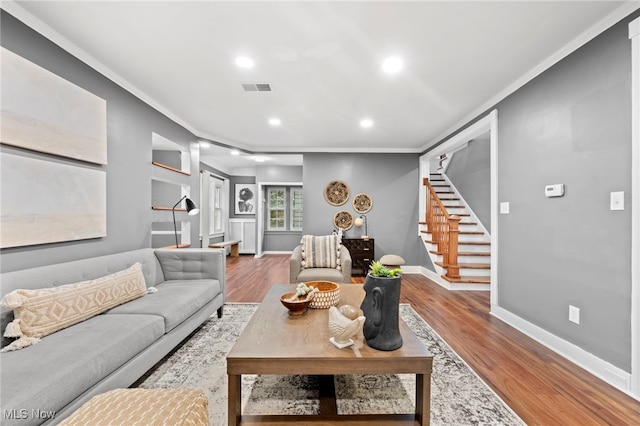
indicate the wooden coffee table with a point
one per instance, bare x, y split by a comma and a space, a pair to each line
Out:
275, 343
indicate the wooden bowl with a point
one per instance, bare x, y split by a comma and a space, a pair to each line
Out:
297, 306
328, 294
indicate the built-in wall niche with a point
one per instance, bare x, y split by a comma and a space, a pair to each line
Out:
170, 181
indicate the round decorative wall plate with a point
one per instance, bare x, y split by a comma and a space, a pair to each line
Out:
343, 219
362, 203
336, 192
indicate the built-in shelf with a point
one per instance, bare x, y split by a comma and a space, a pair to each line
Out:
170, 180
173, 169
178, 209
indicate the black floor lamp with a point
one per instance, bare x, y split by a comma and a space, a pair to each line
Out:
192, 210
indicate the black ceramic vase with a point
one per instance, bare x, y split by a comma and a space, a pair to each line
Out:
381, 306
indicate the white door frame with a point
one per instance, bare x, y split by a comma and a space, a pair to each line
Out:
488, 123
634, 35
260, 211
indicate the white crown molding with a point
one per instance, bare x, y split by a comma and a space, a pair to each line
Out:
39, 26
45, 30
599, 27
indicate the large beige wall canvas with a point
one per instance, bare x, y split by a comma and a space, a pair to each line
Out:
44, 112
46, 201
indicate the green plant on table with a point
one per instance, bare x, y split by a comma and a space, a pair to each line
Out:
377, 269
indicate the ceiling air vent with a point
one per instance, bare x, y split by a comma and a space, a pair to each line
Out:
256, 87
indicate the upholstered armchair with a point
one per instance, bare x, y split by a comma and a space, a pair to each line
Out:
320, 259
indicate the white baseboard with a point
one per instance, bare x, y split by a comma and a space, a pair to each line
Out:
611, 374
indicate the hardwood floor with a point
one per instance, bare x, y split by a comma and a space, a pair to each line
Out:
540, 386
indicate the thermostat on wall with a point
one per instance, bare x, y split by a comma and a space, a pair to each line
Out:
554, 190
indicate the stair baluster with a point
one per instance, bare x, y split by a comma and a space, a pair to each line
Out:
444, 229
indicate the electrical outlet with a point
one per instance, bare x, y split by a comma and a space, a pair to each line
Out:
574, 314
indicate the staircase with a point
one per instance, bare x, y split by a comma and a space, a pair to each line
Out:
466, 266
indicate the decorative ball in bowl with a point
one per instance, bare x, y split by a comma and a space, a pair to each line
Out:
328, 294
295, 305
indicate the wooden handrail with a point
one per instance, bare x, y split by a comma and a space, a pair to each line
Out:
444, 229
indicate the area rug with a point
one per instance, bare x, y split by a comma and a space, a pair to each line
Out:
458, 395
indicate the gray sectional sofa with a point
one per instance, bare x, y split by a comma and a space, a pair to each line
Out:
113, 349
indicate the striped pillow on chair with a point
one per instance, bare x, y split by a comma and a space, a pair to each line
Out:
320, 251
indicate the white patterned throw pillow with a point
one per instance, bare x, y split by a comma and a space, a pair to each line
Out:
321, 251
43, 311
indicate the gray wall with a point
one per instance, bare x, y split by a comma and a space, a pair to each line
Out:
130, 123
233, 181
391, 181
470, 172
570, 125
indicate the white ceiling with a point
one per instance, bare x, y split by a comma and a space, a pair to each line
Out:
323, 62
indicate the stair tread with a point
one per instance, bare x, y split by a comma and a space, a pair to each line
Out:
467, 265
464, 253
468, 280
473, 253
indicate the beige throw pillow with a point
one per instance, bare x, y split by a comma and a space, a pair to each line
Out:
321, 251
44, 311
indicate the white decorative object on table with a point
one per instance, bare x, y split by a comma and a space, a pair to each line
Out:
342, 329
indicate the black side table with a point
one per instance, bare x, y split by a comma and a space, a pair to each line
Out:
362, 254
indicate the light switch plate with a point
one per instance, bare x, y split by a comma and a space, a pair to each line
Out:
617, 200
574, 314
504, 207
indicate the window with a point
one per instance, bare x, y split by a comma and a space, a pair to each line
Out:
277, 204
284, 208
216, 205
296, 209
217, 209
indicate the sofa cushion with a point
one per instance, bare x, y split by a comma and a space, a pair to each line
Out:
320, 274
41, 312
320, 251
70, 361
175, 301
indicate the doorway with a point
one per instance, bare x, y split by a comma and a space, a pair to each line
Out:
486, 125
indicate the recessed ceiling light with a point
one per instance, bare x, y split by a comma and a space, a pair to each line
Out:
204, 144
275, 121
392, 65
366, 123
259, 159
234, 152
244, 62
